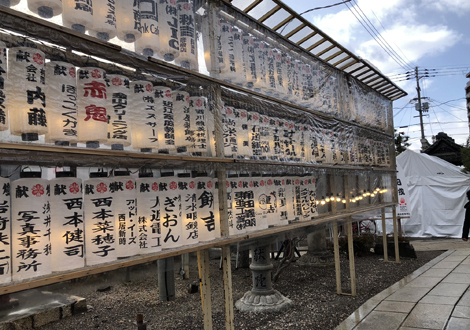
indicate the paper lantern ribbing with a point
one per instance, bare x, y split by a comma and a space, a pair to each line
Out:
100, 231
199, 116
188, 42
92, 106
148, 213
169, 47
128, 22
148, 43
119, 127
104, 20
61, 106
165, 119
67, 223
26, 93
123, 189
5, 232
77, 14
183, 133
45, 8
187, 189
170, 212
143, 114
208, 225
4, 123
31, 228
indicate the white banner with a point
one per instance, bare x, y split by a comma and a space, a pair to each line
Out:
403, 195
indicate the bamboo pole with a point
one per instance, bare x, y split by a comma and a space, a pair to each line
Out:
337, 263
384, 235
395, 235
352, 267
205, 286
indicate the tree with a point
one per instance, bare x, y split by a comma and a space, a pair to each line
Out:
401, 142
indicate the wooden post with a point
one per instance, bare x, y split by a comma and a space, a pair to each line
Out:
352, 267
185, 265
227, 269
400, 232
384, 235
337, 264
205, 286
395, 235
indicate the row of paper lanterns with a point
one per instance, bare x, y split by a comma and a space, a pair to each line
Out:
164, 28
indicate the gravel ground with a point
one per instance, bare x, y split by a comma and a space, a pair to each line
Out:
313, 291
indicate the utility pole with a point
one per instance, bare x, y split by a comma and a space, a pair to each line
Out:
424, 142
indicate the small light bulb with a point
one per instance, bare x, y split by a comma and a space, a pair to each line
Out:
372, 195
317, 202
344, 201
322, 202
338, 199
327, 199
368, 193
360, 198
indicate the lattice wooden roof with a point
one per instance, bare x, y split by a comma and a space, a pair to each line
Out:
283, 20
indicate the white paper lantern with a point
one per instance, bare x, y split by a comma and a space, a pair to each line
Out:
289, 69
249, 58
123, 189
148, 43
187, 190
61, 106
183, 134
104, 20
232, 181
288, 141
259, 190
254, 132
261, 53
4, 123
234, 71
271, 193
45, 8
207, 220
119, 114
26, 93
5, 232
128, 22
243, 136
271, 76
229, 132
77, 14
199, 116
31, 228
100, 228
321, 143
143, 114
67, 229
308, 198
9, 3
170, 212
148, 212
169, 47
244, 205
219, 60
282, 196
280, 73
187, 28
265, 137
296, 200
165, 119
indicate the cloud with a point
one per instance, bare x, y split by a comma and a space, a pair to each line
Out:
459, 7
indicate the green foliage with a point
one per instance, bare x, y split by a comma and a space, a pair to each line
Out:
401, 142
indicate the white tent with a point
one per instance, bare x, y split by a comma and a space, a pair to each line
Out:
437, 196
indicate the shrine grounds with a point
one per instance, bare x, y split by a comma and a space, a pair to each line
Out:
114, 301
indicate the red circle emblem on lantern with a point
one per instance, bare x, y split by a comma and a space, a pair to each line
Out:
255, 117
306, 182
155, 186
192, 185
173, 2
74, 188
186, 6
277, 122
252, 42
168, 93
283, 182
38, 58
72, 72
209, 184
148, 88
228, 184
291, 126
261, 183
266, 119
240, 184
278, 57
173, 185
101, 188
117, 81
199, 103
187, 98
269, 182
228, 111
251, 184
297, 182
96, 73
243, 114
38, 190
129, 185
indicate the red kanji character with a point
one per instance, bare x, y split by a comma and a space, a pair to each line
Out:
129, 185
38, 58
96, 113
155, 186
173, 185
283, 182
38, 190
96, 73
266, 119
95, 89
74, 188
173, 2
101, 188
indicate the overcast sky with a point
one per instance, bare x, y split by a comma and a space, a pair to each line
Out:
432, 34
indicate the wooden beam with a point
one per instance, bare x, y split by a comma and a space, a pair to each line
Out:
341, 61
344, 67
384, 235
252, 5
294, 31
395, 234
352, 266
315, 45
304, 39
228, 298
205, 287
329, 58
284, 22
269, 14
337, 260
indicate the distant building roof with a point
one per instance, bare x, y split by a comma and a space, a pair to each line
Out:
445, 148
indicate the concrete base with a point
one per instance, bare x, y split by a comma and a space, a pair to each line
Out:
317, 259
262, 303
